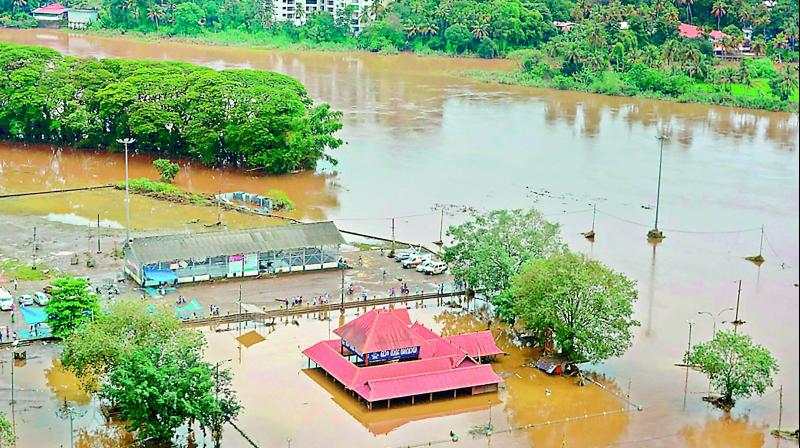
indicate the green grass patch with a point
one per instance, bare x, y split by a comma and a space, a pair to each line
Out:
160, 190
280, 200
15, 269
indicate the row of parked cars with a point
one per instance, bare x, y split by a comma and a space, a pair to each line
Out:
421, 261
6, 299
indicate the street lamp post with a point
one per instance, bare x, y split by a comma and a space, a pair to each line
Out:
126, 142
714, 317
654, 233
13, 352
70, 412
342, 266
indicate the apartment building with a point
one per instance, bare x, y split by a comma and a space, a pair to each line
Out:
297, 11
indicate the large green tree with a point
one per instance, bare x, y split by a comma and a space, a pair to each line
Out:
72, 304
736, 367
580, 304
115, 334
490, 248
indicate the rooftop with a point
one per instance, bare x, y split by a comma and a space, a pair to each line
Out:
444, 363
55, 8
692, 31
199, 246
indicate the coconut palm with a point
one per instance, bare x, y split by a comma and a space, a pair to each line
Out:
719, 9
376, 9
758, 45
480, 29
17, 4
689, 4
412, 29
669, 51
155, 12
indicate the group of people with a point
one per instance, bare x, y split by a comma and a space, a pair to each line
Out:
10, 336
214, 310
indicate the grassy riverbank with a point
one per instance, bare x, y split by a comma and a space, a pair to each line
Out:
756, 95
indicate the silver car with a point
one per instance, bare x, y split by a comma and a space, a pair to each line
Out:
41, 298
25, 299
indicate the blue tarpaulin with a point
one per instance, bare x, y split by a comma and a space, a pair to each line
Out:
190, 307
33, 315
160, 275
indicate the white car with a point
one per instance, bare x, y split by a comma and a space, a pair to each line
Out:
424, 264
41, 298
435, 268
416, 261
25, 299
6, 300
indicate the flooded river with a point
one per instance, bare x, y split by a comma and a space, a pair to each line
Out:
418, 136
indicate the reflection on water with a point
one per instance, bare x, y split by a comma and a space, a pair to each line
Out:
75, 220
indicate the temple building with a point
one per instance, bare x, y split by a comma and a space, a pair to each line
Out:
381, 356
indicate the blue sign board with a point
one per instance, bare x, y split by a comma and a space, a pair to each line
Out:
408, 352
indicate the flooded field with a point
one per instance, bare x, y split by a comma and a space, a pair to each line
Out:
419, 136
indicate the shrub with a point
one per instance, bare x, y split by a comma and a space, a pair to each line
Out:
487, 49
280, 200
166, 169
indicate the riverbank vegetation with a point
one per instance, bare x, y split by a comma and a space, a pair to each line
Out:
244, 118
632, 48
163, 191
517, 260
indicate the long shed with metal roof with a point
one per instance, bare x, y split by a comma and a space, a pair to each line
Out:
193, 257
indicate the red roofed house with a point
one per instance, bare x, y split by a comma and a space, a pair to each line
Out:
714, 36
383, 356
51, 15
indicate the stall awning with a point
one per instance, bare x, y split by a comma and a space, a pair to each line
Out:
33, 316
160, 275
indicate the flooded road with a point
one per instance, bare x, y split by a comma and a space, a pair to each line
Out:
419, 136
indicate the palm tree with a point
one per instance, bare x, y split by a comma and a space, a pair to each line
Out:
376, 9
16, 4
155, 12
758, 45
573, 56
746, 14
412, 29
669, 51
689, 4
480, 29
728, 76
595, 37
719, 9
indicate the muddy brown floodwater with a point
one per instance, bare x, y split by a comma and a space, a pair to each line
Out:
419, 136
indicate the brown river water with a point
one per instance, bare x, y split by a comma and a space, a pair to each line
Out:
418, 135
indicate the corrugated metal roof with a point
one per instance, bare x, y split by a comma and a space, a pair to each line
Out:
480, 343
429, 382
199, 246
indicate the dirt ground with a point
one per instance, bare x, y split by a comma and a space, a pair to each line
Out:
57, 243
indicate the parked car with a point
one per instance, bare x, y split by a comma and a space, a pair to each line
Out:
435, 268
6, 300
41, 298
402, 255
416, 261
25, 299
421, 266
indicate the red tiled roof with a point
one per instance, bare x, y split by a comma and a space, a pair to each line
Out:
326, 354
425, 383
692, 31
55, 8
380, 329
476, 344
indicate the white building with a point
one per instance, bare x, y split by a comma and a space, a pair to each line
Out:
287, 10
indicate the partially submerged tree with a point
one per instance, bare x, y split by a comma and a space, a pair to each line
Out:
72, 304
490, 248
115, 334
7, 437
736, 367
580, 304
166, 169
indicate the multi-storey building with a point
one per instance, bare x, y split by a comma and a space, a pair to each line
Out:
287, 10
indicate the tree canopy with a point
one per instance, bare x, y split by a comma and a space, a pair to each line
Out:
736, 367
488, 249
244, 118
72, 304
578, 303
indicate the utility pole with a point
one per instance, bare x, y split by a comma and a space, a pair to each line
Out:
126, 142
761, 243
736, 322
441, 229
391, 252
342, 266
240, 299
590, 234
13, 352
654, 233
780, 407
691, 324
33, 256
98, 233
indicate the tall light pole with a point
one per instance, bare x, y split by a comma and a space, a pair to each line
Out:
654, 233
714, 317
126, 142
70, 412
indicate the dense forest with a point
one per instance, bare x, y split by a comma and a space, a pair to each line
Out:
630, 47
245, 118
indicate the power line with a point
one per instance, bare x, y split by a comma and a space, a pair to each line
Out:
699, 232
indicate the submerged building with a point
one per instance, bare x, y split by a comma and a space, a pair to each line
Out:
195, 257
381, 356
